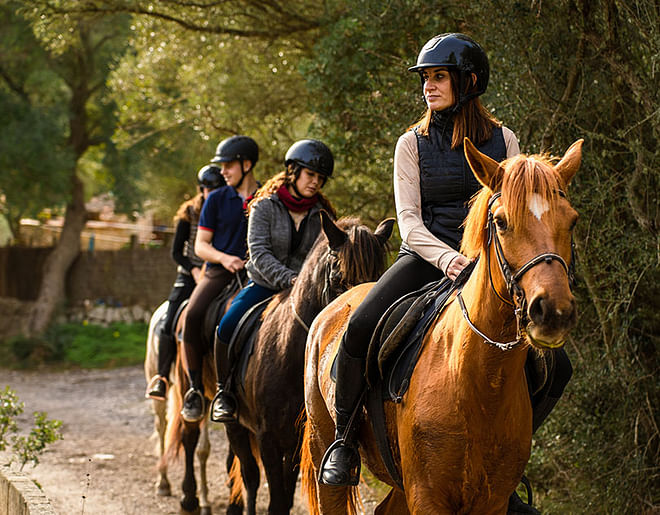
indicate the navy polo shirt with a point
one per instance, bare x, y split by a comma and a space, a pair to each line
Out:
223, 214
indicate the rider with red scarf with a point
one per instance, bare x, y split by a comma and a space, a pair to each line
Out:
283, 224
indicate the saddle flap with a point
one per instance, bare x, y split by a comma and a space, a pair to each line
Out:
243, 337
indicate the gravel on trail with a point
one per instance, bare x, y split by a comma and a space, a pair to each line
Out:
106, 460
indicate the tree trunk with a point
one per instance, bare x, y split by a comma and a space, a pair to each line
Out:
52, 289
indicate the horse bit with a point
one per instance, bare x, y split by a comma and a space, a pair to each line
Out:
516, 293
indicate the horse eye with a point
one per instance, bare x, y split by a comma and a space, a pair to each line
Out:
500, 223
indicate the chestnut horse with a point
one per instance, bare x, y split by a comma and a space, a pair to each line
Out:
270, 401
462, 434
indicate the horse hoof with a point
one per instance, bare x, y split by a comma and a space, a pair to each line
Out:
190, 507
164, 490
206, 510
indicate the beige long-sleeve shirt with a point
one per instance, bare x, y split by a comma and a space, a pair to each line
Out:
408, 200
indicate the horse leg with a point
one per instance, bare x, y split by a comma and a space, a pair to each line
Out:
290, 468
235, 505
239, 439
203, 450
272, 459
160, 423
393, 504
189, 501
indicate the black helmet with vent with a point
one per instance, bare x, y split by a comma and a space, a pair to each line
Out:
312, 154
210, 177
460, 52
237, 148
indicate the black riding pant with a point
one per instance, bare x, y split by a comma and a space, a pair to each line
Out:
183, 287
407, 274
214, 281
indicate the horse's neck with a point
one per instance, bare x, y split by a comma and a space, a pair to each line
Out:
493, 368
305, 299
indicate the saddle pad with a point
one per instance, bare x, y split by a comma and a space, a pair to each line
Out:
242, 340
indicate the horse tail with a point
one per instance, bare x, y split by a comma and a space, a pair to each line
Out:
235, 481
174, 431
309, 486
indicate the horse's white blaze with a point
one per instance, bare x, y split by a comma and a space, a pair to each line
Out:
538, 206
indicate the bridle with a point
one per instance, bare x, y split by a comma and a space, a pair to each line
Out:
516, 293
333, 285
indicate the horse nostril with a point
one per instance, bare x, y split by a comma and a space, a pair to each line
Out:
537, 310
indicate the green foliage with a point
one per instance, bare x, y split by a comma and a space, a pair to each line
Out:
81, 345
28, 448
180, 93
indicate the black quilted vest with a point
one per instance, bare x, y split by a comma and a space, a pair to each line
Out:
446, 180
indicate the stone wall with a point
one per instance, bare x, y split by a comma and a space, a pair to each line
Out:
126, 277
20, 496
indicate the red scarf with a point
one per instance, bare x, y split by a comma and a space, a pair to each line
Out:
297, 205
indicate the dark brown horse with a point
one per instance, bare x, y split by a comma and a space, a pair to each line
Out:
271, 400
462, 434
193, 437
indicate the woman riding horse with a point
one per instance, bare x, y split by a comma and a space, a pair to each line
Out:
283, 224
432, 186
188, 272
221, 242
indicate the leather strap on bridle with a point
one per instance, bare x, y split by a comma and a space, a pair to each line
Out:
516, 293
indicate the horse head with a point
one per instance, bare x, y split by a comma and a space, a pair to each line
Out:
528, 223
349, 253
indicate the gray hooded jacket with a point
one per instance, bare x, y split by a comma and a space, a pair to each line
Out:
272, 263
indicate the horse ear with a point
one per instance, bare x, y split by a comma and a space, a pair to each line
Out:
483, 167
336, 237
570, 163
384, 230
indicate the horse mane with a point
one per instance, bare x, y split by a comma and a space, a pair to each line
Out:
520, 177
358, 262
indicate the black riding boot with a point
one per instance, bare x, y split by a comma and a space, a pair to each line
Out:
157, 388
341, 463
193, 402
223, 407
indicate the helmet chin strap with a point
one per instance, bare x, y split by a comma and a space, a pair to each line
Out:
243, 174
297, 195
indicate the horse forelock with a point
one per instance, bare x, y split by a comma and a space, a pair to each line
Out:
525, 181
529, 180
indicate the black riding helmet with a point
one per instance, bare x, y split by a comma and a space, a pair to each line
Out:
237, 148
460, 52
312, 154
210, 177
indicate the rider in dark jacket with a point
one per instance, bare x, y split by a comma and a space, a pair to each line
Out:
432, 186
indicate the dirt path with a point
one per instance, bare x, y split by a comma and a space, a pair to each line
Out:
105, 463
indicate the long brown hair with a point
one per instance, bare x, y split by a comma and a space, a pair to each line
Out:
195, 202
472, 120
286, 178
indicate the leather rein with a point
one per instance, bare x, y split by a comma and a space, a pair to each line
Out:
516, 293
